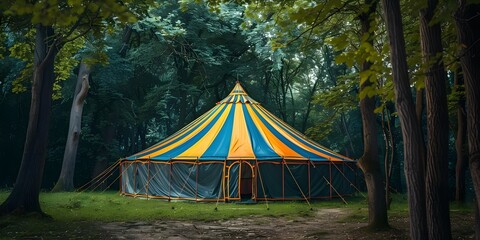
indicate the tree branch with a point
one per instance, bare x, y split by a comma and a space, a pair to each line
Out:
316, 24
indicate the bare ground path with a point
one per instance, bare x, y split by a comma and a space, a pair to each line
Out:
325, 225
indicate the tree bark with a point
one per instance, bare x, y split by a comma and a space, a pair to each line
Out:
477, 220
414, 161
369, 162
24, 197
468, 31
419, 113
437, 200
65, 181
460, 140
387, 136
396, 171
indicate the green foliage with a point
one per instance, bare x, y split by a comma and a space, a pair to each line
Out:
64, 14
64, 63
72, 20
3, 40
23, 50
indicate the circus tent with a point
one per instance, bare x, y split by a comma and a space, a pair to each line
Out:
237, 150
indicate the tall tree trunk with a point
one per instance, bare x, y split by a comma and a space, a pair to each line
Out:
369, 162
460, 140
477, 220
65, 181
468, 31
414, 161
311, 95
419, 106
387, 160
396, 178
437, 200
25, 194
419, 113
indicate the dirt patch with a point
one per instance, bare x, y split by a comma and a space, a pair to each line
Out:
324, 225
335, 223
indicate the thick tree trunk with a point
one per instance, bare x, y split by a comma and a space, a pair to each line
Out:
477, 220
65, 181
24, 197
468, 30
369, 162
437, 199
419, 106
460, 140
419, 112
414, 161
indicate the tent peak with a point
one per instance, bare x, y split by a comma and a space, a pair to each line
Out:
238, 95
237, 90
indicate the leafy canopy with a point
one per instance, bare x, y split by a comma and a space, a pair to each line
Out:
71, 20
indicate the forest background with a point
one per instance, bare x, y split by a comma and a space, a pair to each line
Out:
330, 69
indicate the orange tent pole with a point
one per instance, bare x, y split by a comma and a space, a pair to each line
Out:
135, 179
335, 190
298, 185
196, 179
351, 184
170, 181
308, 169
261, 182
283, 179
148, 177
330, 169
120, 166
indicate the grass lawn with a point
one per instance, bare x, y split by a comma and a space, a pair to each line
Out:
74, 215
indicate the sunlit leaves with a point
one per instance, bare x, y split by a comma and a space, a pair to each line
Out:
3, 39
23, 50
64, 63
71, 20
64, 14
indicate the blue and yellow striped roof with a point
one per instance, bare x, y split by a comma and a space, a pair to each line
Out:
238, 128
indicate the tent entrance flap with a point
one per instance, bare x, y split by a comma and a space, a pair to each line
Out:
246, 181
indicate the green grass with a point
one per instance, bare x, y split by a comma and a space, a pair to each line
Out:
76, 214
110, 206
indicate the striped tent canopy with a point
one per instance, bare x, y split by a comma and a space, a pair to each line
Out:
238, 128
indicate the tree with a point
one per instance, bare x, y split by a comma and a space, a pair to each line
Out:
65, 181
413, 159
437, 200
369, 162
468, 25
460, 167
55, 25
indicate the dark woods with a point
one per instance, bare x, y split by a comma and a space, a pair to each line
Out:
393, 84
